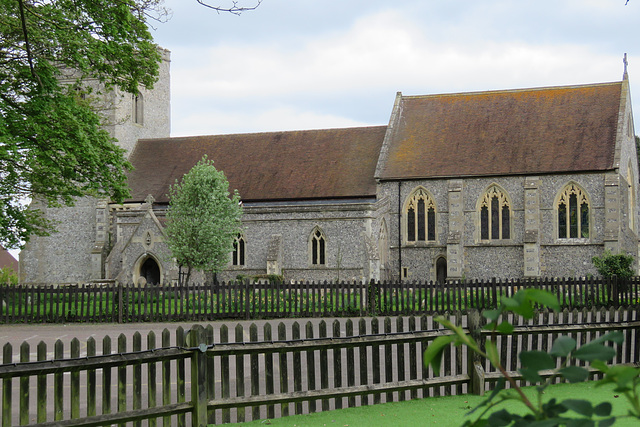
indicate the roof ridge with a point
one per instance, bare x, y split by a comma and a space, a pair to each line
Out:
217, 135
515, 90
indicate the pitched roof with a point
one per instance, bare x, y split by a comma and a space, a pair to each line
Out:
313, 164
527, 131
7, 260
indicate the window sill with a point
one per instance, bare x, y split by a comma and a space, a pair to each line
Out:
421, 244
496, 242
572, 242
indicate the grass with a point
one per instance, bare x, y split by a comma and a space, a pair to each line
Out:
441, 411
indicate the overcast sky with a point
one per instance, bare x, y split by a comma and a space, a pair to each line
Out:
308, 64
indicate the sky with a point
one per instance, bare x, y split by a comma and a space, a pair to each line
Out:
312, 64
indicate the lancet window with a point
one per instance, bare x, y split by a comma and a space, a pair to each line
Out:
318, 247
495, 215
239, 249
420, 214
573, 213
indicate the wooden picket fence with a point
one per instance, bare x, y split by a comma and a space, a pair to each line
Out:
215, 375
111, 302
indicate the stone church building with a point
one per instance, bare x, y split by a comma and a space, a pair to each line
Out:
509, 183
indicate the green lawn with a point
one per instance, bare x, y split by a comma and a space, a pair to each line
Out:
440, 411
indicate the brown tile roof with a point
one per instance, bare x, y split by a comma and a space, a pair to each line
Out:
313, 164
7, 260
528, 131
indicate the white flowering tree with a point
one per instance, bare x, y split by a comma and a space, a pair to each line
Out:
203, 219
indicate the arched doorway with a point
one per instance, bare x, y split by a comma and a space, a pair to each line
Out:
149, 270
441, 270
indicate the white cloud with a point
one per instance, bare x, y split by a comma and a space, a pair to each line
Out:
383, 52
215, 121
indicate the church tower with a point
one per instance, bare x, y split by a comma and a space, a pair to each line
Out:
76, 252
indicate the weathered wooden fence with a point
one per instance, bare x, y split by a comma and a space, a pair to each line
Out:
244, 300
222, 375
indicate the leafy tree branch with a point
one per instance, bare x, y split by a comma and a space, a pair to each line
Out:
536, 364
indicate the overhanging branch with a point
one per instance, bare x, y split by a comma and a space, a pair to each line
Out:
235, 9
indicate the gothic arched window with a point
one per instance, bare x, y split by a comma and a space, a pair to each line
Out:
420, 216
495, 215
318, 247
239, 247
573, 213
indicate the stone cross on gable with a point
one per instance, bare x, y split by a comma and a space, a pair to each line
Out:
626, 63
149, 200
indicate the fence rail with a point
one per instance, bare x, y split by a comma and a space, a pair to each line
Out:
244, 300
237, 374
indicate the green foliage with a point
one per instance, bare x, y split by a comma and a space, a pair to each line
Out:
53, 146
536, 365
202, 220
609, 265
8, 277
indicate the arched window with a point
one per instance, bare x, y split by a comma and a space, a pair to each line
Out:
239, 247
573, 213
318, 247
420, 215
138, 109
495, 215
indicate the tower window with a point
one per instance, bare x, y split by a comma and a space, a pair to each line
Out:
138, 109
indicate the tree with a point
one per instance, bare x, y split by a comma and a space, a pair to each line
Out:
202, 220
53, 146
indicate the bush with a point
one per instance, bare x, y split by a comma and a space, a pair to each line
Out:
8, 277
609, 265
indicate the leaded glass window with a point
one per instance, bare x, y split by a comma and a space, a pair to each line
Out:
420, 215
495, 215
318, 248
573, 213
239, 247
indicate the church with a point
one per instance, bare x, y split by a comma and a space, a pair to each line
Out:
506, 184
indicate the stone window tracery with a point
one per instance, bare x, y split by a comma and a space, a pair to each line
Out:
239, 248
495, 215
420, 217
318, 247
573, 213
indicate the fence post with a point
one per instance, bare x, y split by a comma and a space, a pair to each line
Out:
373, 297
199, 376
614, 291
474, 361
119, 302
247, 300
